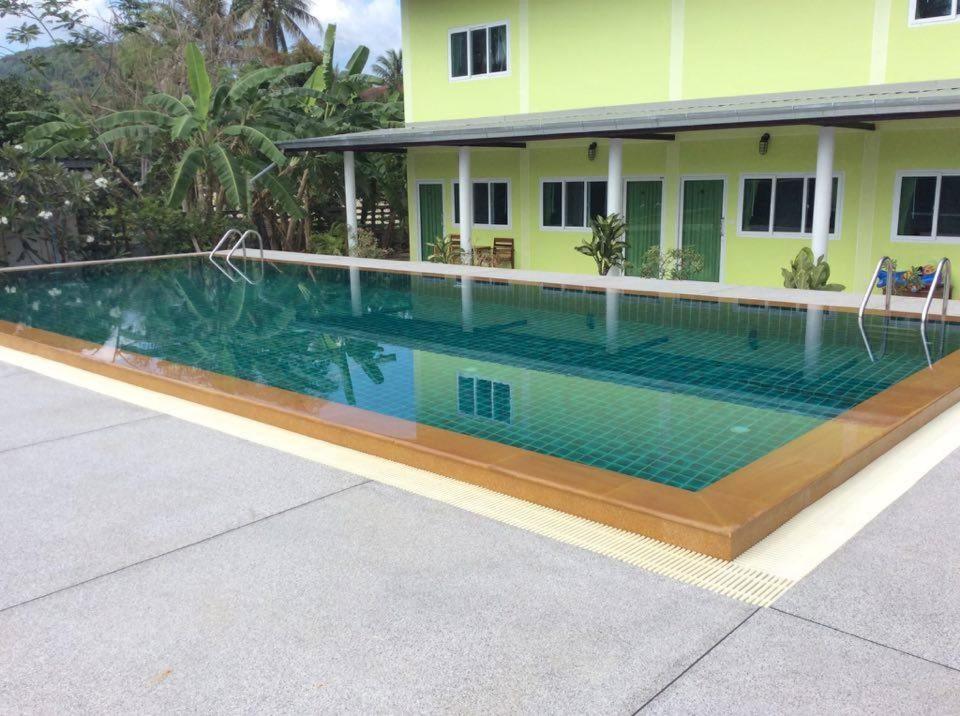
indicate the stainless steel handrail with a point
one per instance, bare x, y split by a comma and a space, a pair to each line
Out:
866, 299
223, 240
242, 243
943, 263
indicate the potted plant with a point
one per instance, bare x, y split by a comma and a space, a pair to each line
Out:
445, 250
606, 245
805, 273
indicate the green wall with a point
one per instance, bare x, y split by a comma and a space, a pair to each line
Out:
571, 53
867, 163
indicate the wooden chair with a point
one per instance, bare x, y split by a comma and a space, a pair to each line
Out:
503, 252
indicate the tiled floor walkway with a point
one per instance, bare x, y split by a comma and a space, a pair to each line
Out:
150, 565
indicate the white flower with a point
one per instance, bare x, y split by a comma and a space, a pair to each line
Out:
136, 183
54, 292
101, 182
22, 199
35, 306
45, 215
18, 147
66, 203
4, 221
10, 289
90, 239
4, 176
86, 198
115, 312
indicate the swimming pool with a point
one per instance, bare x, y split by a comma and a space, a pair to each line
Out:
655, 388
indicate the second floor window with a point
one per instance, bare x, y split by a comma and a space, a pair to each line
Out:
782, 206
478, 51
491, 203
932, 10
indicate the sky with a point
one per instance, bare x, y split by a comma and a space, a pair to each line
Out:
374, 23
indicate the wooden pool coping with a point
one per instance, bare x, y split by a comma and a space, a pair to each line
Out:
722, 520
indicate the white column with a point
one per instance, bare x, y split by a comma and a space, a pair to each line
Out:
466, 204
613, 319
615, 185
813, 341
615, 178
350, 198
356, 298
823, 196
466, 302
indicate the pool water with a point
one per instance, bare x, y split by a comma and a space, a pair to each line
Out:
677, 391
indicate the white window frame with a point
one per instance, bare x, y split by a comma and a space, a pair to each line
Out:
454, 207
770, 233
954, 15
895, 220
476, 379
563, 202
469, 30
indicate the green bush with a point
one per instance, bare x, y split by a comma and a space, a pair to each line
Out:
805, 273
606, 245
673, 264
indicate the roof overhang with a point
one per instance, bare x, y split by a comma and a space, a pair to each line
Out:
853, 107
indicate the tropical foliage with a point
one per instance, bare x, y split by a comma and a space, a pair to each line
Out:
672, 264
606, 245
181, 105
804, 272
389, 70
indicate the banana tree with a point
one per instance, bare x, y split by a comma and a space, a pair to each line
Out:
225, 135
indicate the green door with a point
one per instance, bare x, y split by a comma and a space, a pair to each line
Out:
431, 217
644, 211
701, 226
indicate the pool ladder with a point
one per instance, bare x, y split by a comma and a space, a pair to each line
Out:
239, 244
943, 264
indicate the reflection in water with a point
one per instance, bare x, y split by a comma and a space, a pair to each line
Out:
679, 391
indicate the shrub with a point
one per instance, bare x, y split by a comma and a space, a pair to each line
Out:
445, 250
606, 245
807, 274
673, 264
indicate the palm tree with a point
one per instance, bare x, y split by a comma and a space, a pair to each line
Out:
272, 19
389, 68
227, 134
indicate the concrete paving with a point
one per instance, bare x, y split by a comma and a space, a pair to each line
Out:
898, 582
34, 409
154, 566
87, 504
778, 664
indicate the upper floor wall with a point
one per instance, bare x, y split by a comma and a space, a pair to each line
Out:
491, 57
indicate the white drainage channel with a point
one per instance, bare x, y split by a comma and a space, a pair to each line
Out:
757, 577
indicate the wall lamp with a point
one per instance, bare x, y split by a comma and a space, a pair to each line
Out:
764, 143
592, 151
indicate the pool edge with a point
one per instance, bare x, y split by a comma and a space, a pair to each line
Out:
722, 520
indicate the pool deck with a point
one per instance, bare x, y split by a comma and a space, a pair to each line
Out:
149, 564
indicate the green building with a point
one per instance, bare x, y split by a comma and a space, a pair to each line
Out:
746, 129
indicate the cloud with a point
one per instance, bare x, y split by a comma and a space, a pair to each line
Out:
374, 23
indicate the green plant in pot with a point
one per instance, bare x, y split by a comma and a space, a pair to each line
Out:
445, 250
606, 245
806, 273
